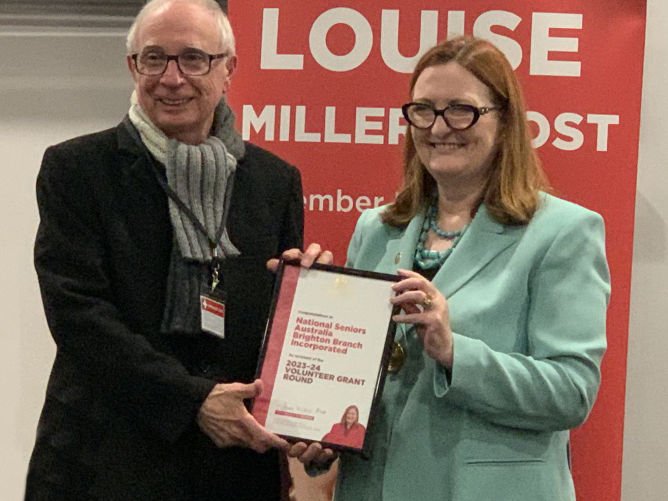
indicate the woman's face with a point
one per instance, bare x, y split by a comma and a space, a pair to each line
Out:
456, 157
351, 416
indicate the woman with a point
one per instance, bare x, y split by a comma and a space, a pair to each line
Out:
349, 431
504, 296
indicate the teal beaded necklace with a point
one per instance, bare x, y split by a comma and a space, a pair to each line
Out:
427, 259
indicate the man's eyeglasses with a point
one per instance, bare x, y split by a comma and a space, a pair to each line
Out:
192, 62
456, 116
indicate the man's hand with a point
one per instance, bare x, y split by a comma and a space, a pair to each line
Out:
224, 418
313, 254
312, 454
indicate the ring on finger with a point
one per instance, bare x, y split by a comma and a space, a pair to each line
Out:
427, 301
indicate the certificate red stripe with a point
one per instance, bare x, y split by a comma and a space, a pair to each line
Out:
276, 340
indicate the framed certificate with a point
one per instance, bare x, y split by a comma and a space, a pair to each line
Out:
325, 354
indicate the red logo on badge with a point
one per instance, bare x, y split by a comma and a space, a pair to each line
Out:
213, 307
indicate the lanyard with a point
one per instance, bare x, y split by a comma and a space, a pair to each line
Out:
213, 242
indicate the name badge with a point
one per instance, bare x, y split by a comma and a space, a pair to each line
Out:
213, 315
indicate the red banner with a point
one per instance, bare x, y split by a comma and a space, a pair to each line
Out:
321, 84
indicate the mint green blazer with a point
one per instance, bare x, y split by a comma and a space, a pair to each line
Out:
528, 311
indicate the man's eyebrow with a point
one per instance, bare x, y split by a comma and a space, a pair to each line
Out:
152, 47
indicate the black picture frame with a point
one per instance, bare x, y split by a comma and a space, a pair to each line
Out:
274, 344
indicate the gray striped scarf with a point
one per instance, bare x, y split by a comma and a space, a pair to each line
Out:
202, 176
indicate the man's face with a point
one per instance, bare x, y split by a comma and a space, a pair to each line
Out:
182, 106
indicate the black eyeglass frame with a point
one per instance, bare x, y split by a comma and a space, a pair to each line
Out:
477, 113
175, 57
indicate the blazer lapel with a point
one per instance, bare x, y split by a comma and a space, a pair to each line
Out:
402, 249
134, 164
140, 200
483, 241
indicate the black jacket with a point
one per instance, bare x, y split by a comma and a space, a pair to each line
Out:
119, 417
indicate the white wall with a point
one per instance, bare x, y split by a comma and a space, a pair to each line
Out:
645, 461
66, 84
52, 87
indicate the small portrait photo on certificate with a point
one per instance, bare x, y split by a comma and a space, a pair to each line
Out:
348, 431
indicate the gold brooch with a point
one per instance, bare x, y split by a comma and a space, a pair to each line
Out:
397, 358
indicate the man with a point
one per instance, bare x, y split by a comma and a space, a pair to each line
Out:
151, 255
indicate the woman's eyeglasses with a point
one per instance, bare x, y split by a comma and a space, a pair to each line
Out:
456, 116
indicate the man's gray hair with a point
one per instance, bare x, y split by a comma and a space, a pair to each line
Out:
226, 34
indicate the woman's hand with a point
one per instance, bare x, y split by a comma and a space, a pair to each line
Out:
426, 308
312, 254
